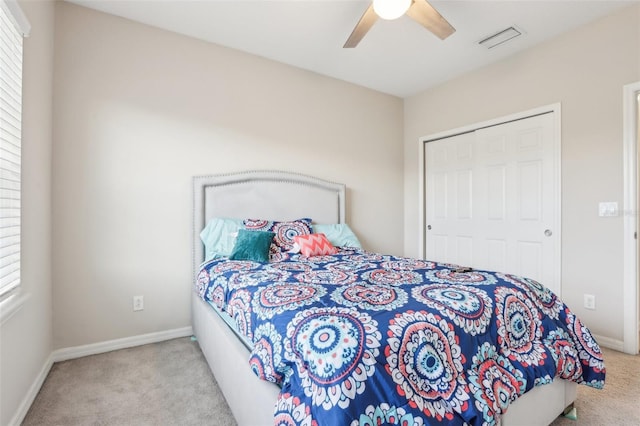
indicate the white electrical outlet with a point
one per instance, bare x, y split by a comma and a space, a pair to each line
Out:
590, 301
138, 303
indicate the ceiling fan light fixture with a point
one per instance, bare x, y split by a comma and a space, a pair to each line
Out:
391, 9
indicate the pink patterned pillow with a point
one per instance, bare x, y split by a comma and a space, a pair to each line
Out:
314, 245
285, 231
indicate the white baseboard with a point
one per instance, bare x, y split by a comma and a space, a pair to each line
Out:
607, 342
112, 345
22, 410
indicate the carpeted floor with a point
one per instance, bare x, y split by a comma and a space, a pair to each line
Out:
618, 403
169, 383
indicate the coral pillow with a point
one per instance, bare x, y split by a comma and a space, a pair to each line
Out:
314, 245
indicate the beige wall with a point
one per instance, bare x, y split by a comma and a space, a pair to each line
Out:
585, 71
139, 111
25, 338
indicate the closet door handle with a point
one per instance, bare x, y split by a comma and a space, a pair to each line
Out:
548, 233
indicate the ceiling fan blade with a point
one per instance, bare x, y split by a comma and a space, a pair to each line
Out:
424, 14
365, 23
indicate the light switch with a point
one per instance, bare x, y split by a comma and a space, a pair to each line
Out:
608, 209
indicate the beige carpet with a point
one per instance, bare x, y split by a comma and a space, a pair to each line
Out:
618, 403
169, 383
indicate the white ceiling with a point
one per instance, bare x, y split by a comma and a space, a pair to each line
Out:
396, 57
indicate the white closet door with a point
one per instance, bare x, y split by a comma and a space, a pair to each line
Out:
491, 199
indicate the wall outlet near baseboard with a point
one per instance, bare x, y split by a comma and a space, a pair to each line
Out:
138, 303
590, 301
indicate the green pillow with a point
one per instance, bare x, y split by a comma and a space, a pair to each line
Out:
252, 245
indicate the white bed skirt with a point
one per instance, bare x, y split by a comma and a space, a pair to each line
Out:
252, 400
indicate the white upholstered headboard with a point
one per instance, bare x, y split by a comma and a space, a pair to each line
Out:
273, 195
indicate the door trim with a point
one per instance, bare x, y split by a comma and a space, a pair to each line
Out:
630, 212
557, 225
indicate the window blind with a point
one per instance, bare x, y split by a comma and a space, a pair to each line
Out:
11, 32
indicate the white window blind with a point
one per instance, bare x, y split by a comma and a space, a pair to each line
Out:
13, 26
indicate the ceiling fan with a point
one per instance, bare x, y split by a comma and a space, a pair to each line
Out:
418, 10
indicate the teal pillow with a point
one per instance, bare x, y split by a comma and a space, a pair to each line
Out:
252, 245
338, 234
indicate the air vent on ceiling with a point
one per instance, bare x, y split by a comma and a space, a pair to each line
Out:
500, 37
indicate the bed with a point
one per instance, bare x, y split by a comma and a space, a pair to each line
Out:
373, 381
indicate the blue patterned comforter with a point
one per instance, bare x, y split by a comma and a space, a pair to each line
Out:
360, 338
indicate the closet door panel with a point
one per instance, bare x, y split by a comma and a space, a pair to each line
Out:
490, 199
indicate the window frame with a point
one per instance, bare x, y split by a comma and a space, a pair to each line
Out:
15, 27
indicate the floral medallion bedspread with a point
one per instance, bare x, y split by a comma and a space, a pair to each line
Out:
359, 338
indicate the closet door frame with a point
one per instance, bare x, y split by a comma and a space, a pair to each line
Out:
631, 289
555, 109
